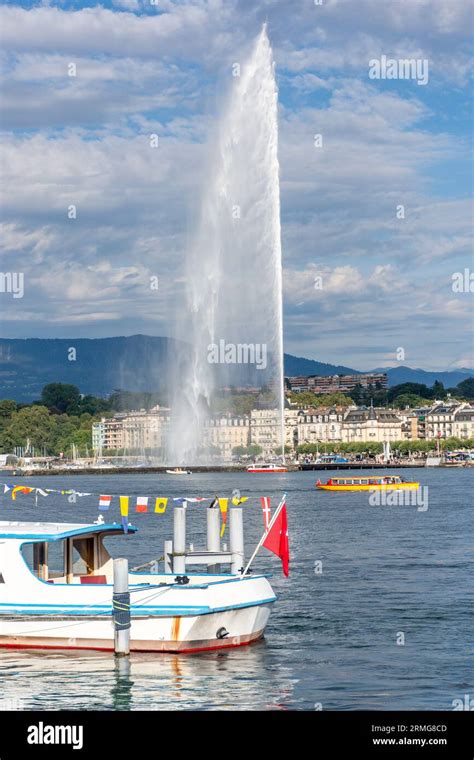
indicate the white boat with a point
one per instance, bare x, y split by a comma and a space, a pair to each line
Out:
267, 467
56, 585
179, 471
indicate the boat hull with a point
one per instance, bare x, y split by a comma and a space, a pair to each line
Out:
277, 469
374, 487
184, 634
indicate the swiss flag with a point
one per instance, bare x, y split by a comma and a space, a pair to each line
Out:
277, 539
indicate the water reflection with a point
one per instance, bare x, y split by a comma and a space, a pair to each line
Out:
233, 680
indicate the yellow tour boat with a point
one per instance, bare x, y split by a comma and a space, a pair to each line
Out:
377, 483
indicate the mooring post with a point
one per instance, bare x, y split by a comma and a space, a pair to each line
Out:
121, 608
236, 538
213, 536
179, 540
168, 556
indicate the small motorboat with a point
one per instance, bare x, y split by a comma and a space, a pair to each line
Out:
271, 467
377, 483
179, 471
56, 593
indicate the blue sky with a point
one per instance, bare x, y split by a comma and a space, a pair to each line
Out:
164, 68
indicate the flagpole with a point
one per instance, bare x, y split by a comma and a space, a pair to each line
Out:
270, 526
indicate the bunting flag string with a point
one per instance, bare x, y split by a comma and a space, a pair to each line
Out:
105, 501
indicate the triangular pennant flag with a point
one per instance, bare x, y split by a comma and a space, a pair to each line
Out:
265, 502
21, 489
223, 506
142, 504
6, 488
160, 504
104, 501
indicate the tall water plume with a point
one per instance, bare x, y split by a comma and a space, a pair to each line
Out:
233, 266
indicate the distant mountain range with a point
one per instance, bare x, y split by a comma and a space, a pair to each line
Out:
396, 375
139, 363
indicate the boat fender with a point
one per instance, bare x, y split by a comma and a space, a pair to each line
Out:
181, 580
221, 633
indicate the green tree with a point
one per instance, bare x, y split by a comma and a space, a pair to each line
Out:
466, 388
417, 389
93, 405
438, 390
30, 423
409, 399
7, 408
303, 399
61, 397
254, 450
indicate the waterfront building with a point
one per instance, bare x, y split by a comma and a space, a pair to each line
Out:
448, 418
463, 426
226, 433
265, 430
108, 434
145, 431
131, 432
372, 425
317, 425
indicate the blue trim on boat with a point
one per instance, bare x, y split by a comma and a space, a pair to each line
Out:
154, 611
87, 529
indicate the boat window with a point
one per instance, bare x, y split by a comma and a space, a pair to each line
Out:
56, 559
36, 556
66, 561
83, 556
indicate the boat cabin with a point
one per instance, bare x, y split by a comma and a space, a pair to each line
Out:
381, 480
61, 553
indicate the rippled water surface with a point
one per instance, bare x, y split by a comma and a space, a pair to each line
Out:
332, 637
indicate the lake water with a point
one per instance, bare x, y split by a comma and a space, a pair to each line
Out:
334, 639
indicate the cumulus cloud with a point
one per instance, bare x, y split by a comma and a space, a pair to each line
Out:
142, 70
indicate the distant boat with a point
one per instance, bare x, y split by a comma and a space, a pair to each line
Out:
179, 471
267, 468
331, 459
378, 483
